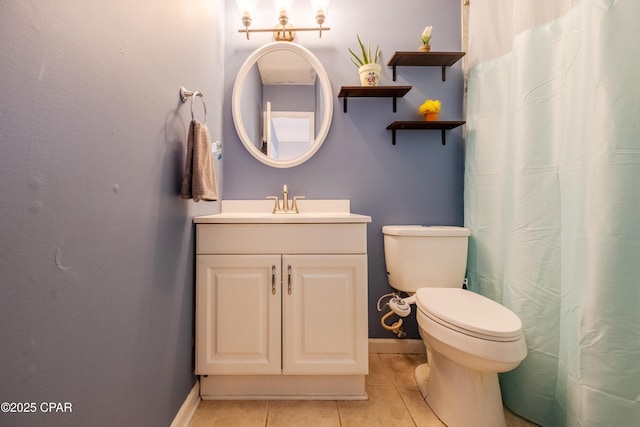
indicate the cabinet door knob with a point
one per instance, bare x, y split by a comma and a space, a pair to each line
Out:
289, 279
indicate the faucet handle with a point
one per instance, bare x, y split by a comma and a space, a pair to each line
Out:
295, 203
276, 206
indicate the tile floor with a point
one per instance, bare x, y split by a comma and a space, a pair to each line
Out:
394, 401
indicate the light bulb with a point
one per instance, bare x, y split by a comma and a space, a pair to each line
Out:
246, 8
283, 7
320, 9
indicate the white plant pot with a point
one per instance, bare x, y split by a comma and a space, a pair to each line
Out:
370, 74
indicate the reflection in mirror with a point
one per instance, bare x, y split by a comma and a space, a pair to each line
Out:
282, 88
288, 134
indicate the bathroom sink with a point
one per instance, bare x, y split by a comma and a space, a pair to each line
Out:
261, 212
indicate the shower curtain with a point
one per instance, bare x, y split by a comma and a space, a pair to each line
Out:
552, 198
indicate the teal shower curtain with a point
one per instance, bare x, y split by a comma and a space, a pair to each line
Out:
552, 198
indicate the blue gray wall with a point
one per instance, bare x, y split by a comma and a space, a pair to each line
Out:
418, 181
96, 246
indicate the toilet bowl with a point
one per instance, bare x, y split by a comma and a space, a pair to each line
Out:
477, 332
469, 338
469, 343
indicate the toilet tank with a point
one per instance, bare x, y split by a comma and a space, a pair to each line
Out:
419, 256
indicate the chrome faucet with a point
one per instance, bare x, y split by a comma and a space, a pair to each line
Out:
284, 207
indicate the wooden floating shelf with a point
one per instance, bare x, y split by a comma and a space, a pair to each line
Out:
424, 59
373, 92
442, 125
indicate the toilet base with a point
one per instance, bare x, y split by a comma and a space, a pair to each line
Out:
459, 396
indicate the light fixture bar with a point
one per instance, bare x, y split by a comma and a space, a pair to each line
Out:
280, 30
284, 31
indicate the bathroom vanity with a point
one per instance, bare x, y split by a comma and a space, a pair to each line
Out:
281, 301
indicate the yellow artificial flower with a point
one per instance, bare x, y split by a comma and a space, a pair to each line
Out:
429, 106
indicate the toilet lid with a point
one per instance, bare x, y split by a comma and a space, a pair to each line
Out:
469, 313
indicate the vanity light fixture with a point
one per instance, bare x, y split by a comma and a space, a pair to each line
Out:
283, 31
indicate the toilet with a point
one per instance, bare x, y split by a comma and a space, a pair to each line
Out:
469, 338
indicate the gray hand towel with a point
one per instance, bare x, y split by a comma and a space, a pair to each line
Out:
199, 180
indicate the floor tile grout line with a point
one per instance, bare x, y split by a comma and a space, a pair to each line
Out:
339, 413
387, 369
266, 420
406, 407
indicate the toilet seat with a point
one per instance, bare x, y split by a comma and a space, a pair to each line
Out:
469, 313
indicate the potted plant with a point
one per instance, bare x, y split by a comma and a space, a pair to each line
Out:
430, 109
426, 39
367, 64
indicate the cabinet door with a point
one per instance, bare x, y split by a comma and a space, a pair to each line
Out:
325, 314
238, 314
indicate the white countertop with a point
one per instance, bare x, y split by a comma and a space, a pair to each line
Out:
259, 212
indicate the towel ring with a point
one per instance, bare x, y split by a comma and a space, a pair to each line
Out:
187, 94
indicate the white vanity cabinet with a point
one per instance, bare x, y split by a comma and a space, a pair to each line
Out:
238, 312
323, 327
272, 314
281, 307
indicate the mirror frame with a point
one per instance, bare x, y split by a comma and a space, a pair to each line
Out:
237, 95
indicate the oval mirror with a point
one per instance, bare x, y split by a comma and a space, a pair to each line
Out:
282, 104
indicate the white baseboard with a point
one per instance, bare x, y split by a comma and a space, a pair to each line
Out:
188, 408
395, 345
